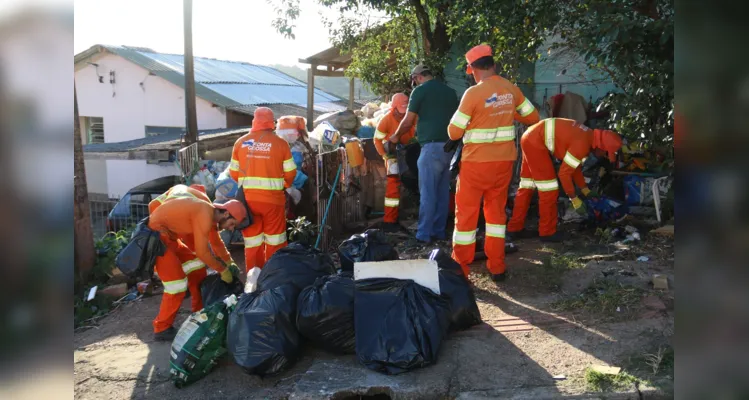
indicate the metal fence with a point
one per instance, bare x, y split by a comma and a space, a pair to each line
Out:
127, 214
347, 206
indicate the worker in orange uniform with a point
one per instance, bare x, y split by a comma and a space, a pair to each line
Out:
484, 121
187, 217
292, 128
570, 142
385, 129
262, 165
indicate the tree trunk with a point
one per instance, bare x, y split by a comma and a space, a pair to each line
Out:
83, 233
426, 31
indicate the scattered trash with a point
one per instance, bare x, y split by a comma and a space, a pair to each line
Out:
667, 230
91, 293
133, 295
214, 290
618, 309
559, 377
660, 282
250, 285
141, 251
371, 245
399, 324
653, 302
630, 229
117, 291
145, 287
634, 237
603, 369
325, 313
261, 336
603, 209
200, 341
464, 312
297, 264
643, 258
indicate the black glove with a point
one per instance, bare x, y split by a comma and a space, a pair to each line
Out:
451, 145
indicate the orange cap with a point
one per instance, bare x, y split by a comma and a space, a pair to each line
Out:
608, 141
482, 50
263, 119
399, 102
235, 209
198, 187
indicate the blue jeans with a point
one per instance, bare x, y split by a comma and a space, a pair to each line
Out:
434, 188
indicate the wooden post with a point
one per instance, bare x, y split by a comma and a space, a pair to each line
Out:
84, 254
351, 94
310, 95
191, 117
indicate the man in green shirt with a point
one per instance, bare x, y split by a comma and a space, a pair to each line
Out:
434, 103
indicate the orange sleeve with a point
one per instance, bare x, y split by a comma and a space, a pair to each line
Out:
202, 225
578, 178
155, 203
571, 164
525, 112
218, 247
289, 166
381, 133
462, 117
234, 164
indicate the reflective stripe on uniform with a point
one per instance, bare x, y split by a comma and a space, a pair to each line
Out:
391, 202
460, 120
255, 241
571, 160
234, 165
549, 134
192, 265
174, 287
525, 108
251, 182
275, 240
501, 134
527, 183
379, 135
546, 186
494, 230
289, 165
464, 238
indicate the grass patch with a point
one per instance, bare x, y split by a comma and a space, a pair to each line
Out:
598, 382
603, 297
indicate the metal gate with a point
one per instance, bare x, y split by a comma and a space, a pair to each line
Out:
347, 206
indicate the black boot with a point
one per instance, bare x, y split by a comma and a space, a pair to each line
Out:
557, 237
165, 336
499, 277
519, 235
391, 227
510, 248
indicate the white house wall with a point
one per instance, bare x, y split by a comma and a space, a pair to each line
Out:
96, 176
127, 107
123, 175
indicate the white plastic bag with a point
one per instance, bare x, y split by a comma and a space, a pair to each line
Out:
250, 285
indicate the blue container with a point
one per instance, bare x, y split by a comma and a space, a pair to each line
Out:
633, 189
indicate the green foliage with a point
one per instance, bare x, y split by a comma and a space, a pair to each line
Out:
85, 310
600, 382
632, 42
107, 249
609, 299
302, 231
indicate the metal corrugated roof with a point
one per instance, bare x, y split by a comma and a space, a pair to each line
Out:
167, 140
229, 84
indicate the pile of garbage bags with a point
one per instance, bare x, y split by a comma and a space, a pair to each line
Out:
392, 325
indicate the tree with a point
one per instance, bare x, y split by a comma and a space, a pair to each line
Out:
83, 232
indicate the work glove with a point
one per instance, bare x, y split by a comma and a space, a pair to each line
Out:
589, 193
579, 206
227, 276
234, 268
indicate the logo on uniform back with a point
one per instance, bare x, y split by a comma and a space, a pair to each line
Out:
252, 145
498, 101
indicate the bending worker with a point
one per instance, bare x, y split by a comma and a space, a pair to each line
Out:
188, 223
262, 165
385, 129
566, 140
484, 121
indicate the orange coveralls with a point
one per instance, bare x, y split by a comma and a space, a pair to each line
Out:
181, 219
385, 129
484, 120
567, 140
262, 165
290, 127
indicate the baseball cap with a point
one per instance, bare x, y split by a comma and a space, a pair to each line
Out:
400, 102
419, 69
235, 209
476, 52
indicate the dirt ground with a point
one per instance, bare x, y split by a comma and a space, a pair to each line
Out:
563, 309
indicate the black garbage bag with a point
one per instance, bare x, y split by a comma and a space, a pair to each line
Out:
297, 264
325, 313
214, 290
261, 335
454, 287
138, 257
372, 245
399, 324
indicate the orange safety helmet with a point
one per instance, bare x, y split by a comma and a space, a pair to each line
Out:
263, 119
476, 52
235, 209
608, 141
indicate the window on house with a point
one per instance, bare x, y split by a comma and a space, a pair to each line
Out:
160, 130
95, 129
